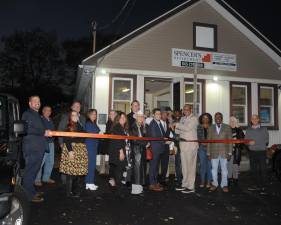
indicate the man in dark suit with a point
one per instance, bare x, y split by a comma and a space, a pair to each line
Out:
156, 130
34, 145
135, 107
165, 156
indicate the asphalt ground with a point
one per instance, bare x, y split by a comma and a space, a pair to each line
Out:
239, 206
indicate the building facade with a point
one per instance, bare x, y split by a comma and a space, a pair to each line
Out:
238, 69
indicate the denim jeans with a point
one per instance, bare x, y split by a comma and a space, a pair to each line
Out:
223, 164
47, 163
205, 165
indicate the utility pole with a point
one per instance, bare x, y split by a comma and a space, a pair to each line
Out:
195, 88
94, 26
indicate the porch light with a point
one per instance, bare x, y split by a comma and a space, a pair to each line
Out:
103, 71
215, 78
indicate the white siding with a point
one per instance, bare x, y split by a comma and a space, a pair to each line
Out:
217, 98
101, 94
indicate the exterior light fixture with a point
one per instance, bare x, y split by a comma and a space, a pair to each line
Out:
215, 78
103, 71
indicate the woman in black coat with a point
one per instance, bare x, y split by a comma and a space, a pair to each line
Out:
118, 151
138, 154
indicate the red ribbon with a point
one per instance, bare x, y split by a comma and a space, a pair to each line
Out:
123, 137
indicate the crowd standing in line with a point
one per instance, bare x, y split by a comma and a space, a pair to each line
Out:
128, 158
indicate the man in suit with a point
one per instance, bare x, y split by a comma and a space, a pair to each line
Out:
156, 130
165, 156
219, 153
135, 107
187, 129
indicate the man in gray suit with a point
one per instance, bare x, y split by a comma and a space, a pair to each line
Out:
219, 153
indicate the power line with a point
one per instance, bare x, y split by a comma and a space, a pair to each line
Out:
104, 27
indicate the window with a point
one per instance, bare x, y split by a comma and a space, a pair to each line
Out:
204, 36
122, 88
268, 105
189, 92
240, 102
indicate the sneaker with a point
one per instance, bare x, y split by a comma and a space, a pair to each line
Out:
179, 188
188, 191
91, 187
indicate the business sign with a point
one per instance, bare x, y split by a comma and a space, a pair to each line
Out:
205, 60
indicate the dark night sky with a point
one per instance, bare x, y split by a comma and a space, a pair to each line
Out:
72, 18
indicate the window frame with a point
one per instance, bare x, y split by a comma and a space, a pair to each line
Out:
113, 77
202, 94
248, 100
215, 29
275, 125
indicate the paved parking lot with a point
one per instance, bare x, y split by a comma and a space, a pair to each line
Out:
239, 206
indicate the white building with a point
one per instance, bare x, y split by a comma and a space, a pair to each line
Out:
140, 66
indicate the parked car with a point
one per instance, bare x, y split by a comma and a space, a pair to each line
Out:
274, 153
14, 206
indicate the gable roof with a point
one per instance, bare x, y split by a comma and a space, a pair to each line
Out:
224, 9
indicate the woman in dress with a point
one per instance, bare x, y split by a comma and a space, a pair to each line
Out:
234, 162
74, 159
205, 121
118, 152
138, 153
92, 147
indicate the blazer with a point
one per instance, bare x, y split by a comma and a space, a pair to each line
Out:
187, 128
219, 149
155, 132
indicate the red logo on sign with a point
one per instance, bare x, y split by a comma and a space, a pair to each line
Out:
207, 58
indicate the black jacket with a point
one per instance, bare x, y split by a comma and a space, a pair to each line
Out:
131, 119
116, 145
35, 131
237, 133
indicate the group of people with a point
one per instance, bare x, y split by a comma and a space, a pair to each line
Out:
179, 133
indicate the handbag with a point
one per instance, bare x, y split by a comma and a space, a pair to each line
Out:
149, 154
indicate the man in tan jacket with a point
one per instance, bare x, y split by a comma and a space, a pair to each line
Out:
219, 153
187, 129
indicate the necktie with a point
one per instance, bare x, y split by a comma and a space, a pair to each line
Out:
161, 129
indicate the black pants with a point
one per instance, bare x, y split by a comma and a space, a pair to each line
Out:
258, 167
164, 160
33, 160
117, 172
73, 184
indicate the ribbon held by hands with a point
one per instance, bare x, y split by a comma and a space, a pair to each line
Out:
123, 137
